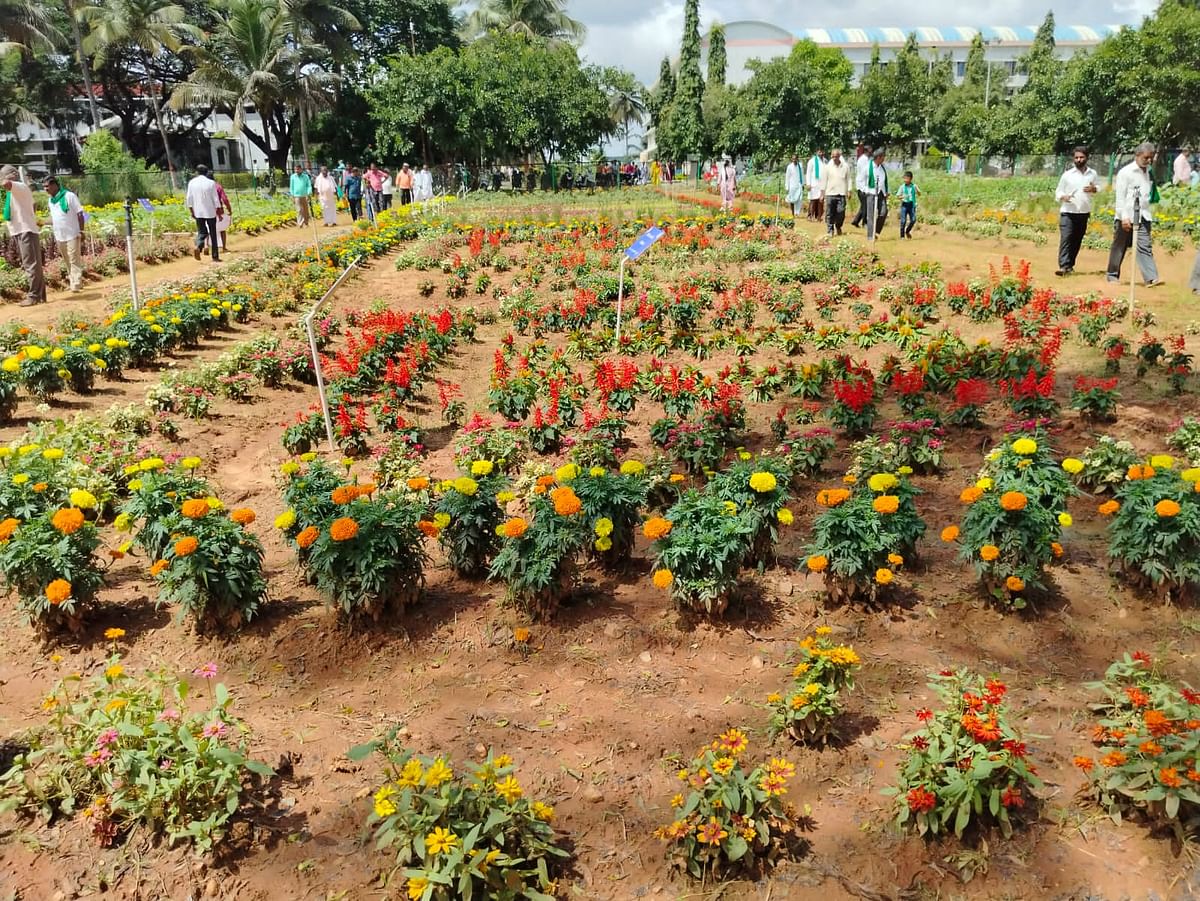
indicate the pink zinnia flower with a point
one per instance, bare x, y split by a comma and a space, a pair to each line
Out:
207, 671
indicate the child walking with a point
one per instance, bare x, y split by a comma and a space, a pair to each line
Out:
908, 205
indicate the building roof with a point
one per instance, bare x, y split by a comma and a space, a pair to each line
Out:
955, 34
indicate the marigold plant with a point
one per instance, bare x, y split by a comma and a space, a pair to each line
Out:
733, 818
132, 752
822, 671
539, 565
55, 574
966, 764
452, 834
611, 501
1147, 743
764, 503
468, 535
1154, 530
151, 512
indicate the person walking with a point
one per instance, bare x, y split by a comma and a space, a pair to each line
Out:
812, 178
1181, 173
326, 190
300, 187
837, 180
202, 203
66, 221
423, 183
1135, 191
793, 184
1075, 191
908, 205
353, 190
224, 214
877, 195
728, 185
862, 174
373, 189
404, 181
23, 229
386, 190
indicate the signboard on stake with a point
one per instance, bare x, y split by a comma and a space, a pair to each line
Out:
644, 242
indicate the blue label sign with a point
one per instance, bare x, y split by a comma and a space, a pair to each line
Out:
146, 204
644, 242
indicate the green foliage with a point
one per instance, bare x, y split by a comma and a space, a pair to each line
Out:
114, 174
808, 710
1154, 536
966, 764
50, 562
469, 538
457, 835
1105, 464
1148, 745
154, 498
611, 501
681, 131
717, 59
129, 753
733, 817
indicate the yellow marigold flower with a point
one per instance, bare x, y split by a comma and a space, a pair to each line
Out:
114, 634
1065, 520
1167, 508
663, 578
596, 471
566, 473
190, 462
1162, 461
151, 464
441, 520
290, 468
82, 499
20, 478
465, 485
307, 457
632, 468
286, 519
53, 453
1024, 446
989, 552
1072, 466
884, 576
763, 482
114, 672
482, 468
505, 497
785, 516
986, 484
603, 544
603, 527
882, 481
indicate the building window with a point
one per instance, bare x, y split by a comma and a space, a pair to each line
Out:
220, 156
1011, 67
960, 69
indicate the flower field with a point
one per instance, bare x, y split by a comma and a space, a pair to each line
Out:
842, 572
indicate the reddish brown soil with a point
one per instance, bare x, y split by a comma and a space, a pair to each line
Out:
613, 692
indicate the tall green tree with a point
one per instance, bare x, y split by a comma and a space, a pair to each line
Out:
682, 134
26, 25
149, 28
662, 93
626, 101
893, 98
533, 18
717, 57
958, 122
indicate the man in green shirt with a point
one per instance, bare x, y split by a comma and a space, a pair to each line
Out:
301, 190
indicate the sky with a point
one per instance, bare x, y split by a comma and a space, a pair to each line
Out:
637, 34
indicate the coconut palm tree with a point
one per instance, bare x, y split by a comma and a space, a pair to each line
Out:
74, 15
149, 27
626, 102
252, 59
26, 25
536, 18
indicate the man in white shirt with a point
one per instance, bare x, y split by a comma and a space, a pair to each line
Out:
793, 184
23, 229
423, 184
862, 171
837, 180
202, 203
1182, 169
812, 179
66, 220
1134, 190
1074, 192
875, 191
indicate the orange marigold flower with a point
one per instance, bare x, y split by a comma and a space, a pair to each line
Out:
1169, 776
663, 578
832, 497
818, 563
428, 528
1085, 763
1056, 549
514, 528
1013, 500
68, 520
186, 546
365, 489
545, 481
308, 536
970, 495
158, 567
1139, 471
1014, 583
1166, 508
343, 529
343, 494
566, 501
418, 484
950, 533
8, 527
988, 553
58, 591
1157, 723
886, 503
1113, 758
243, 516
1108, 508
196, 509
656, 527
1152, 748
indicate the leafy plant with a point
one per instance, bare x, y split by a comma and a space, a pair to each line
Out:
808, 710
469, 513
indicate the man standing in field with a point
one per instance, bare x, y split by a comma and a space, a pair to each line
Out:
1134, 190
793, 184
1181, 174
300, 187
862, 174
812, 178
1074, 192
202, 203
837, 180
66, 220
404, 181
23, 229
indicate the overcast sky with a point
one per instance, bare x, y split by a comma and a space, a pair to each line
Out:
637, 34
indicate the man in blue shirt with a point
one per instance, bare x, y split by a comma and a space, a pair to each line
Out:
300, 188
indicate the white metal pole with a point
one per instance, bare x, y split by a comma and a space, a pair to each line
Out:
130, 256
316, 355
1133, 240
620, 301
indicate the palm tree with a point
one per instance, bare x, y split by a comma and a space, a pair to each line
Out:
149, 27
626, 102
252, 59
26, 25
536, 18
74, 14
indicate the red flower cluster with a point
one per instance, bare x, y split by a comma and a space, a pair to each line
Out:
908, 383
921, 800
856, 394
971, 392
